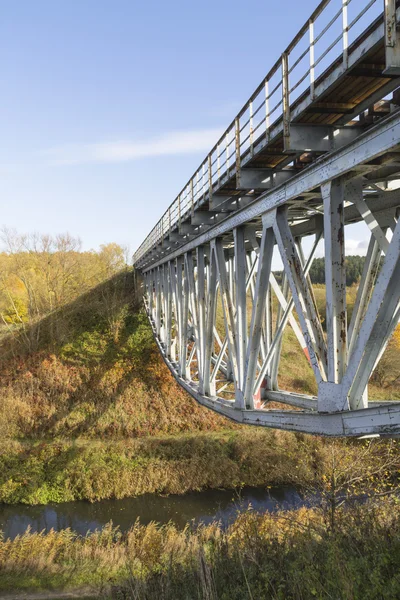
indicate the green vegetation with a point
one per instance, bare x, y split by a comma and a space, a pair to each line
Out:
279, 556
42, 472
88, 410
354, 269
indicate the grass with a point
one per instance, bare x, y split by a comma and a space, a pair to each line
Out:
65, 470
94, 413
97, 374
285, 555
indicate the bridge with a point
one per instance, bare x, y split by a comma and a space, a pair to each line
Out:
314, 150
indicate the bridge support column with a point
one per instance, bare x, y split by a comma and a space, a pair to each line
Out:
333, 194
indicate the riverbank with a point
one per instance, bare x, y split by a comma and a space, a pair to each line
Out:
68, 470
290, 554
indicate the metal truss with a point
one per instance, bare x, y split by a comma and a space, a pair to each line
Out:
282, 180
219, 314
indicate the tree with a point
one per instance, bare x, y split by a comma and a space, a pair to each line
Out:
353, 472
42, 273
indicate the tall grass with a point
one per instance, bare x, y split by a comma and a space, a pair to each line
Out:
37, 473
286, 555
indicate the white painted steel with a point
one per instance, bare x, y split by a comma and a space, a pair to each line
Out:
219, 314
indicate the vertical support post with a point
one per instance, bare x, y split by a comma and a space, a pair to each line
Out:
312, 59
285, 101
237, 150
158, 301
174, 309
208, 383
168, 310
164, 306
189, 269
392, 39
149, 281
226, 305
241, 313
182, 295
335, 271
231, 277
201, 302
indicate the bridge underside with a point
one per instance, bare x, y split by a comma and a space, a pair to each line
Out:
221, 313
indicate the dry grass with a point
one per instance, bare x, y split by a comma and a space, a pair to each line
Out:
279, 556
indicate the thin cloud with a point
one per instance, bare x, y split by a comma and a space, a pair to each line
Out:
352, 247
167, 144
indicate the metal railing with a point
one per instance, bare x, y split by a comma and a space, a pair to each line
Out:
323, 39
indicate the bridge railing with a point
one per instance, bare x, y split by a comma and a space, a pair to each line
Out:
324, 39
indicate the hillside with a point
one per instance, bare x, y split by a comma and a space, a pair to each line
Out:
88, 410
94, 373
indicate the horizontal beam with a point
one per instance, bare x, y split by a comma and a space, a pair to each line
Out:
204, 217
320, 138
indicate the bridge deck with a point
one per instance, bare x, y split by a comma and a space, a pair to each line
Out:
260, 138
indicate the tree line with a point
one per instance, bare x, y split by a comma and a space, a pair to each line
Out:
354, 269
41, 273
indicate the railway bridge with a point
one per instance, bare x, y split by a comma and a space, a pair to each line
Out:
314, 151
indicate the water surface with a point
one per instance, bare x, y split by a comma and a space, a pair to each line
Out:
196, 507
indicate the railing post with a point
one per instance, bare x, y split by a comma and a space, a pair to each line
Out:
237, 150
345, 33
227, 153
203, 177
209, 179
267, 109
312, 59
191, 196
392, 39
251, 128
285, 101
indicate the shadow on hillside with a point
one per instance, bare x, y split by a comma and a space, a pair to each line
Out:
92, 369
96, 309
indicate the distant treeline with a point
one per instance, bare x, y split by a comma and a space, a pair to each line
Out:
354, 268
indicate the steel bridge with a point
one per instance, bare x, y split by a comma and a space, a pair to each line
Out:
314, 150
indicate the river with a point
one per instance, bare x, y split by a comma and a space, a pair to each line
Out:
195, 507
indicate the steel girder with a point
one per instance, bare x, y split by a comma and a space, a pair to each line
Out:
219, 314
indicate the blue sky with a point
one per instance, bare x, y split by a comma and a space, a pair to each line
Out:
107, 107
